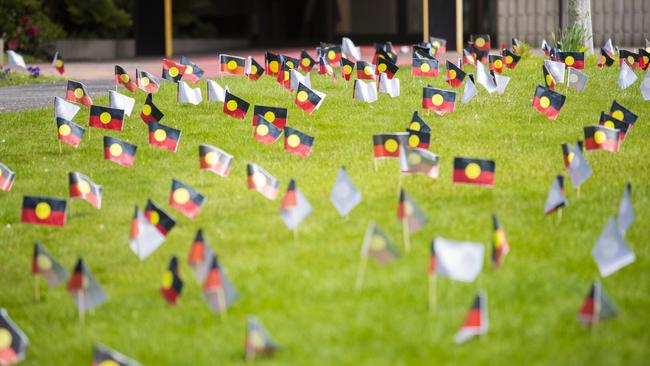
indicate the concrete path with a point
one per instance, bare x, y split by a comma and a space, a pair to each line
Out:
21, 97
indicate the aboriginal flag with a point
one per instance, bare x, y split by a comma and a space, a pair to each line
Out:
77, 93
14, 342
284, 76
104, 356
496, 63
468, 58
192, 72
306, 61
619, 112
420, 51
418, 139
149, 111
254, 70
549, 81
69, 132
84, 288
455, 75
297, 142
365, 71
573, 59
123, 78
43, 210
146, 81
418, 124
43, 263
644, 59
480, 41
347, 67
106, 118
164, 137
474, 171
7, 177
612, 122
273, 63
386, 145
185, 199
596, 306
605, 59
235, 106
384, 51
292, 62
332, 53
57, 63
172, 70
199, 256
231, 64
386, 66
172, 284
510, 59
214, 160
307, 99
548, 102
262, 181
601, 138
275, 115
82, 187
425, 67
438, 100
476, 321
265, 131
119, 151
630, 57
500, 245
159, 218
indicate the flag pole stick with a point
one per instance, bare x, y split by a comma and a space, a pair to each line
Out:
221, 297
362, 271
37, 288
433, 279
407, 236
80, 305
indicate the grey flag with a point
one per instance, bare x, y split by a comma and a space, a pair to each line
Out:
64, 109
611, 253
470, 89
378, 245
579, 169
626, 77
576, 80
556, 69
645, 86
344, 196
293, 216
625, 210
556, 197
484, 78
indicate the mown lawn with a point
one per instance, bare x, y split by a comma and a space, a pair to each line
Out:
303, 291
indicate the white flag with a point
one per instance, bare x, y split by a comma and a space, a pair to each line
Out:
187, 94
64, 109
576, 79
389, 86
215, 92
626, 77
16, 60
460, 261
579, 169
121, 101
366, 92
344, 196
484, 78
348, 47
297, 78
470, 89
645, 86
147, 239
611, 253
625, 210
609, 47
502, 82
556, 69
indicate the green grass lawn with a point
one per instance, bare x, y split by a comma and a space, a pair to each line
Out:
303, 291
21, 78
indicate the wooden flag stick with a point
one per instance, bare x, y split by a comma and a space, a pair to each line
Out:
362, 271
221, 297
407, 235
37, 288
433, 292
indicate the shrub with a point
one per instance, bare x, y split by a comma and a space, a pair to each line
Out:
25, 26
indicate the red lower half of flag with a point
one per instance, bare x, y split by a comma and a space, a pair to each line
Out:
305, 106
473, 319
218, 167
587, 312
151, 88
254, 76
8, 356
191, 78
237, 113
170, 295
578, 64
456, 83
416, 71
443, 108
54, 218
266, 139
167, 143
608, 145
113, 124
148, 118
85, 100
189, 208
76, 283
89, 197
485, 178
60, 69
6, 184
549, 111
380, 151
301, 149
123, 159
71, 139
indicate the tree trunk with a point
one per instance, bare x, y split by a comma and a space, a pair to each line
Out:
580, 13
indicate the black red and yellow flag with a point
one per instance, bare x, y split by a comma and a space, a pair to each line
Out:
193, 73
123, 78
385, 51
630, 57
272, 62
510, 59
172, 284
418, 124
76, 93
275, 115
421, 51
496, 63
146, 81
164, 137
419, 139
306, 61
58, 64
332, 53
549, 81
172, 70
612, 122
235, 106
644, 59
69, 132
365, 71
480, 41
150, 113
474, 171
601, 138
292, 62
159, 218
455, 75
185, 199
43, 211
548, 102
386, 145
119, 151
307, 99
297, 142
386, 66
500, 245
605, 59
254, 69
425, 67
82, 187
284, 76
214, 160
438, 100
265, 131
231, 64
347, 68
7, 177
106, 118
622, 113
572, 59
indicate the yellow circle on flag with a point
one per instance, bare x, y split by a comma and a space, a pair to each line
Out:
569, 60
269, 116
189, 69
377, 242
181, 196
115, 149
293, 140
549, 80
211, 158
262, 130
646, 59
78, 93
414, 140
544, 102
472, 170
125, 78
391, 145
259, 180
452, 74
415, 126
600, 137
173, 71
167, 280
105, 118
43, 210
437, 100
425, 67
231, 105
302, 96
480, 42
290, 64
154, 217
414, 158
498, 64
509, 60
630, 60
347, 69
160, 135
64, 130
609, 124
84, 187
44, 263
306, 62
5, 338
331, 55
367, 70
109, 363
253, 69
59, 63
381, 67
436, 44
570, 157
273, 66
618, 115
146, 109
232, 65
286, 76
144, 81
